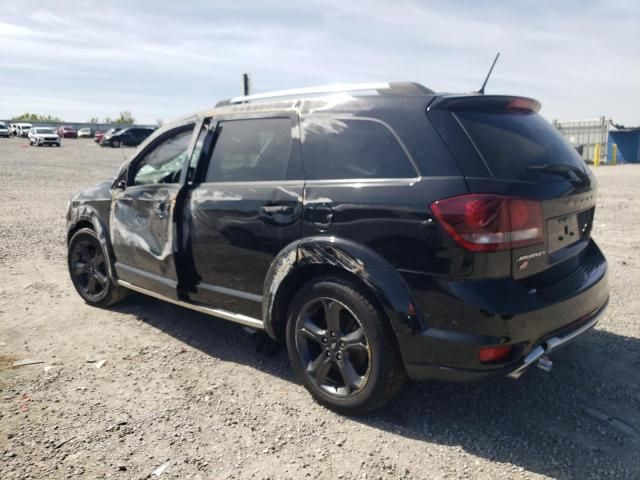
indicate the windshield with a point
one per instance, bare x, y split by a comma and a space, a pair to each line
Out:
510, 143
44, 130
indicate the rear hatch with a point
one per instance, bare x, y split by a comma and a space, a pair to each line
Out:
517, 164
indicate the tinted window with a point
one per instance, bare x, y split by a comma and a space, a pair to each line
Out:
337, 148
511, 142
164, 163
251, 150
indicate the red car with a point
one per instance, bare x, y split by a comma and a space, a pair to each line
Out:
67, 132
100, 135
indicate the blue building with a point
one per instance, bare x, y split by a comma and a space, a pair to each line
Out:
628, 141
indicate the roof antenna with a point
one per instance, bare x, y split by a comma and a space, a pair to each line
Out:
481, 91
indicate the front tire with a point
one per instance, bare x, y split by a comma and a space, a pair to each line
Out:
88, 269
115, 143
342, 347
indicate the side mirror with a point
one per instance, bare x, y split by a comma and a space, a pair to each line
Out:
120, 184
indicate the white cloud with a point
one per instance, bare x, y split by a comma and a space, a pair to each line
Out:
163, 59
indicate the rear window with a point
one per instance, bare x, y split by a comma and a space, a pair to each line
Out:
512, 142
348, 148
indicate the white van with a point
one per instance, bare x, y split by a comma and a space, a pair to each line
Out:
22, 129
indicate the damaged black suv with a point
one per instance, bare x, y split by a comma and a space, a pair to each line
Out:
381, 231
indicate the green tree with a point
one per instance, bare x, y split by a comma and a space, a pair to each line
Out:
34, 117
94, 120
125, 118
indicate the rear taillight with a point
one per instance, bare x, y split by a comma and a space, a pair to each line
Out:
487, 222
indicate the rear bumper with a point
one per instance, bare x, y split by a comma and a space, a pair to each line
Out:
467, 316
514, 370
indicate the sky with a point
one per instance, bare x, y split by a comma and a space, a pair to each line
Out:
161, 59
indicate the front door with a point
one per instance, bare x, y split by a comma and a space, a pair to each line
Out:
246, 208
143, 226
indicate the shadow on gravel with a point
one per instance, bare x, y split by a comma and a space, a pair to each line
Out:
580, 421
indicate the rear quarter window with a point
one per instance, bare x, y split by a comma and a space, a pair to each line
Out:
336, 148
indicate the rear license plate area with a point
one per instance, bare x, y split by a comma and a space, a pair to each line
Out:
562, 232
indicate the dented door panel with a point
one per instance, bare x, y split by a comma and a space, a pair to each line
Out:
143, 236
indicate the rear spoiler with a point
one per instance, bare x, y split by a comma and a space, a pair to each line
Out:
485, 103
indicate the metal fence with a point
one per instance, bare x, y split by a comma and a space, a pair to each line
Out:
584, 135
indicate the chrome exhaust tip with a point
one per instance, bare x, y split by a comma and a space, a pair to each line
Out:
545, 364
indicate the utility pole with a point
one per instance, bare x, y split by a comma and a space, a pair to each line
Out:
246, 84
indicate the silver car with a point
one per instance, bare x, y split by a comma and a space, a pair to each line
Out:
41, 136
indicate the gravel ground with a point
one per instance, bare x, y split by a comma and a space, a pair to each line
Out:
191, 393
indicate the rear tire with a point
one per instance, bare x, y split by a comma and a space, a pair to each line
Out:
88, 269
342, 347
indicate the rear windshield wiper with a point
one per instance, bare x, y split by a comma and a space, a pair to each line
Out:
563, 169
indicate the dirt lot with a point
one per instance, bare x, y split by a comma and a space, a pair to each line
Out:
190, 392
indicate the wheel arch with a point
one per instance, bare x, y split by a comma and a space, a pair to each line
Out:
301, 261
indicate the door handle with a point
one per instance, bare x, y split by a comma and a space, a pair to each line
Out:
275, 209
162, 208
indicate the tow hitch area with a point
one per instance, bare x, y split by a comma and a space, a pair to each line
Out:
539, 354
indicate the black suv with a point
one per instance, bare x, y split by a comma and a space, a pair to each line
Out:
381, 231
131, 137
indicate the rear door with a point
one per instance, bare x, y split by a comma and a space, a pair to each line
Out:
246, 206
504, 146
143, 225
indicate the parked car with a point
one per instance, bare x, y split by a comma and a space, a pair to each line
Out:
4, 130
42, 136
22, 129
67, 132
131, 137
85, 133
100, 135
401, 233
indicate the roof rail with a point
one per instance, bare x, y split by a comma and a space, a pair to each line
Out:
332, 88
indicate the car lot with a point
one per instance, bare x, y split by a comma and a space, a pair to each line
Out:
184, 389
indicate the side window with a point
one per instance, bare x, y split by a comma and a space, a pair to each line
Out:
349, 148
164, 163
252, 150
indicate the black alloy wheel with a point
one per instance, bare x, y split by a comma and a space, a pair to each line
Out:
342, 347
89, 271
332, 344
